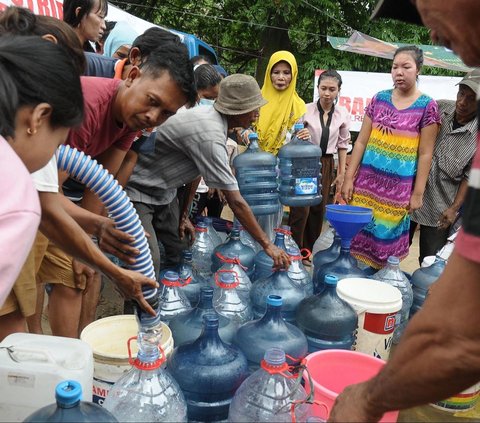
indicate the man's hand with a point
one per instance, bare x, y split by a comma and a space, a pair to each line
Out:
82, 275
116, 242
186, 228
280, 257
129, 283
351, 406
447, 218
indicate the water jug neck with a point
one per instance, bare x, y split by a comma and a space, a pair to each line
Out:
210, 333
187, 258
206, 299
235, 234
253, 147
280, 240
150, 354
274, 312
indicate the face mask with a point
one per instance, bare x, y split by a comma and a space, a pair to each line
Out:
205, 102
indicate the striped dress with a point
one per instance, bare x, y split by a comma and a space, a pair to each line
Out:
386, 176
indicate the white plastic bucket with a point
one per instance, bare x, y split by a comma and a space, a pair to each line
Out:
32, 365
376, 304
108, 339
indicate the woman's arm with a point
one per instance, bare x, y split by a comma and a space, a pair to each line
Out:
356, 158
428, 135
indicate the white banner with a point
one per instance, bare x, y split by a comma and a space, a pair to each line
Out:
359, 87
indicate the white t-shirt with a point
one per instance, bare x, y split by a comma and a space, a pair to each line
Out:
46, 179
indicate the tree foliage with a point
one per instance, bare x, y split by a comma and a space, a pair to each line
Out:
246, 32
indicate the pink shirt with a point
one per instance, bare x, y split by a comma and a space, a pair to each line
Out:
19, 216
339, 127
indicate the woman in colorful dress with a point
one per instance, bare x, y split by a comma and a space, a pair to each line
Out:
390, 162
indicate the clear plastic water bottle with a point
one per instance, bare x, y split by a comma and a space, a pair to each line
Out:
231, 263
267, 394
147, 392
263, 262
217, 240
327, 321
192, 281
392, 275
256, 174
421, 281
188, 327
228, 302
202, 250
300, 178
70, 408
245, 237
256, 337
278, 283
233, 245
173, 300
209, 371
324, 241
297, 272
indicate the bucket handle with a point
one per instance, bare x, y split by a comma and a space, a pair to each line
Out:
15, 354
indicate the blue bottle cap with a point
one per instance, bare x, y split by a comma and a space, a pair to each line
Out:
274, 300
170, 275
68, 393
227, 277
201, 224
331, 280
393, 260
274, 356
252, 135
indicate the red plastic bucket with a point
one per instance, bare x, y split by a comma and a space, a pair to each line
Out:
333, 370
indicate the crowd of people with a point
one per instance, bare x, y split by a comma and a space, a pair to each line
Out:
168, 127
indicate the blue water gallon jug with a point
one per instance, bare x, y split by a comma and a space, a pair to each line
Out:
324, 241
216, 239
187, 327
202, 250
344, 266
263, 262
70, 408
326, 256
192, 281
231, 263
421, 281
300, 178
267, 394
287, 232
245, 237
297, 272
209, 372
228, 302
392, 275
327, 321
233, 245
147, 392
256, 337
278, 283
256, 175
173, 301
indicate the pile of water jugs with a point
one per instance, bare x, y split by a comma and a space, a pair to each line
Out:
239, 325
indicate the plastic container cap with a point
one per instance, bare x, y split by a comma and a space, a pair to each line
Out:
393, 260
171, 275
274, 356
252, 135
274, 300
298, 126
68, 393
331, 280
227, 277
370, 295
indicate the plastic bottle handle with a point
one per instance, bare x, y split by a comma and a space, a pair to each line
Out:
307, 252
145, 366
15, 354
230, 261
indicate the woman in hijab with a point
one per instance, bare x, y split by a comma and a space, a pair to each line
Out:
284, 106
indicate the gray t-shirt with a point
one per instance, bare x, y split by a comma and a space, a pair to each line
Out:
188, 145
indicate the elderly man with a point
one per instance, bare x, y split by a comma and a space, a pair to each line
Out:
448, 178
193, 144
439, 355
